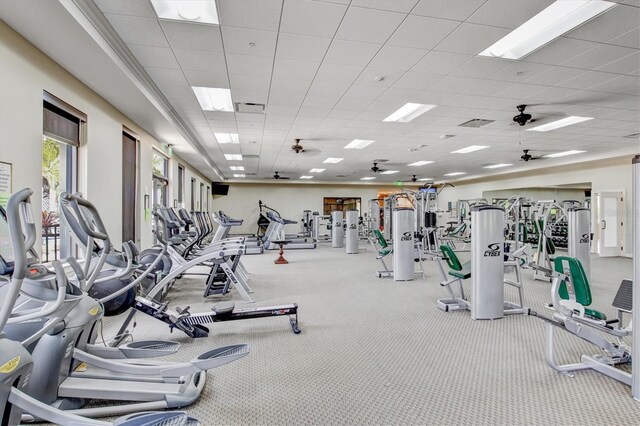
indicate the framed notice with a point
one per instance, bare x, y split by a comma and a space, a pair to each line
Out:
5, 182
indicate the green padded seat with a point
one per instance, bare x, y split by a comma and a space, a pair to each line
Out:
580, 285
385, 250
457, 269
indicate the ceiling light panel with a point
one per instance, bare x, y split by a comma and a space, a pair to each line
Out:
564, 153
227, 137
568, 121
469, 149
389, 172
316, 170
557, 19
200, 11
368, 178
332, 160
419, 163
214, 99
241, 175
233, 157
358, 144
455, 174
237, 168
497, 166
425, 179
408, 112
306, 177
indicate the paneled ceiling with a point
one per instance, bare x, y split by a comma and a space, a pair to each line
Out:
331, 71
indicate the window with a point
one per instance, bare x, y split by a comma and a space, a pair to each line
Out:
61, 131
340, 204
160, 169
201, 206
193, 194
180, 185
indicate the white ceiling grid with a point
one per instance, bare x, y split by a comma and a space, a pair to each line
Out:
317, 65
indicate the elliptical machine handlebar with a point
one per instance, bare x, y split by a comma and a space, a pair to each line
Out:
101, 233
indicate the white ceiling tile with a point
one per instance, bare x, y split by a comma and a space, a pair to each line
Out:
598, 57
327, 102
289, 68
481, 67
193, 36
421, 32
336, 73
627, 65
457, 10
395, 57
237, 41
300, 47
201, 60
417, 80
249, 82
613, 23
206, 78
138, 30
587, 79
254, 14
165, 77
240, 64
364, 93
518, 72
311, 18
329, 89
471, 38
454, 84
505, 14
126, 7
524, 91
368, 25
630, 39
441, 62
351, 53
151, 56
553, 76
624, 84
487, 88
403, 6
346, 104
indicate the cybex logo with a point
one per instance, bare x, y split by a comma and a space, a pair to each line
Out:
493, 250
407, 236
585, 239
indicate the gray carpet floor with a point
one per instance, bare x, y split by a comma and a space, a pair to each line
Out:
374, 351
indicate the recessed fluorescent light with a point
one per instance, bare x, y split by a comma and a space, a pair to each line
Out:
497, 166
233, 157
316, 170
368, 178
227, 137
455, 174
239, 175
420, 163
358, 144
202, 11
333, 160
389, 172
568, 121
469, 149
237, 168
425, 179
408, 112
214, 99
564, 154
306, 177
552, 22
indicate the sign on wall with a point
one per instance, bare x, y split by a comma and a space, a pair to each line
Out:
5, 182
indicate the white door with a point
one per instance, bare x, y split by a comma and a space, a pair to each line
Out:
610, 223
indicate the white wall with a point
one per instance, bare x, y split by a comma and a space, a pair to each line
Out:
288, 199
25, 72
605, 175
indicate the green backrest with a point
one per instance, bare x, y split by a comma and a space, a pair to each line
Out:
578, 278
459, 229
380, 237
451, 258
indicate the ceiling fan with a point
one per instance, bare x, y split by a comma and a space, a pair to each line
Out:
525, 118
414, 179
277, 176
526, 157
297, 148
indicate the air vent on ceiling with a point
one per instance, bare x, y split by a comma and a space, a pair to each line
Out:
341, 176
250, 157
633, 136
476, 122
249, 108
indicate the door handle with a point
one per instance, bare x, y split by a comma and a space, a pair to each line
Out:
604, 224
